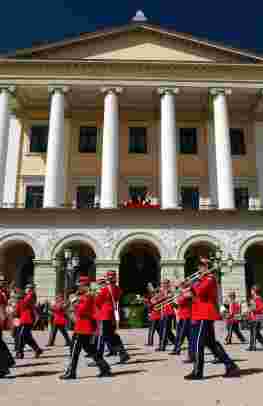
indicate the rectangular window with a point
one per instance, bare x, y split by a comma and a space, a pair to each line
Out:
237, 141
136, 192
241, 198
87, 139
34, 197
38, 137
188, 140
137, 140
85, 197
190, 197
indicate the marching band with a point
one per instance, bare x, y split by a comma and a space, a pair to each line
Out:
192, 306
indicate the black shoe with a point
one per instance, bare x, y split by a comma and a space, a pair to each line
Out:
67, 376
174, 352
193, 377
111, 354
92, 364
232, 373
250, 349
4, 373
12, 364
38, 353
105, 373
188, 361
216, 361
124, 358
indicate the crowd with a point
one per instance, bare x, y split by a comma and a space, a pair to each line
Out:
144, 201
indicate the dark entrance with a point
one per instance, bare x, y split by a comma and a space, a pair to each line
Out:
140, 264
193, 255
254, 267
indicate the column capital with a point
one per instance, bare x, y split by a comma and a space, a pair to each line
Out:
58, 88
164, 90
116, 90
217, 90
8, 87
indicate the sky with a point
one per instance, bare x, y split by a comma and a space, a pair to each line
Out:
236, 23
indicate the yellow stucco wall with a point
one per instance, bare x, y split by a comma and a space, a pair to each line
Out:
131, 165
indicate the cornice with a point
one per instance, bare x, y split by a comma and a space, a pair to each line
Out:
55, 70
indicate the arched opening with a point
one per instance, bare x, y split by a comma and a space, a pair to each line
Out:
17, 264
86, 265
139, 265
193, 254
254, 266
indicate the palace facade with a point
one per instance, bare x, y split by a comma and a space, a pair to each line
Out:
89, 123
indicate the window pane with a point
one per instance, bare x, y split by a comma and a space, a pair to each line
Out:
237, 141
34, 197
188, 140
137, 191
138, 140
85, 196
87, 139
38, 138
190, 197
241, 198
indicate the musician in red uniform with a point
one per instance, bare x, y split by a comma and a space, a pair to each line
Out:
232, 320
6, 359
27, 319
167, 317
107, 305
84, 330
255, 318
59, 321
183, 325
154, 319
204, 313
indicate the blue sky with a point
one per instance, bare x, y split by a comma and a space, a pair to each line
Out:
233, 22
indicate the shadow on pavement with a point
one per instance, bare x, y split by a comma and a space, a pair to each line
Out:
142, 361
54, 356
243, 372
233, 359
130, 372
34, 365
34, 374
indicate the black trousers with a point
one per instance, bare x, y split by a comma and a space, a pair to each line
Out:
234, 328
53, 334
153, 328
204, 336
25, 337
6, 359
107, 335
255, 334
183, 331
166, 332
85, 342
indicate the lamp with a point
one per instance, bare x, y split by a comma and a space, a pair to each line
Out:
67, 253
230, 261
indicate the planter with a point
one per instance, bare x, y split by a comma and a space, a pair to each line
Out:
136, 316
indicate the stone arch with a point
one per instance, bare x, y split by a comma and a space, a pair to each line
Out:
77, 238
10, 239
139, 236
194, 240
254, 239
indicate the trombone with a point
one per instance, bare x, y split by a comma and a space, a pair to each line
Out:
187, 282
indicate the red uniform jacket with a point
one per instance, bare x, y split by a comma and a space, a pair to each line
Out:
168, 310
184, 310
3, 304
59, 316
104, 302
234, 310
204, 304
27, 309
259, 309
84, 323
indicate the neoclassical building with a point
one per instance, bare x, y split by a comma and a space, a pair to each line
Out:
90, 122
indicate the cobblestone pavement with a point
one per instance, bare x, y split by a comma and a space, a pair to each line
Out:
149, 378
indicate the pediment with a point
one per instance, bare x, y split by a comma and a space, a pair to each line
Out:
141, 43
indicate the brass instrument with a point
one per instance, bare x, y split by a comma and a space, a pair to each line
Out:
186, 283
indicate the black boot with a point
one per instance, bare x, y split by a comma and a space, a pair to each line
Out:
124, 356
193, 376
69, 374
104, 368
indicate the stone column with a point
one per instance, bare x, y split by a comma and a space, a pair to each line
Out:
169, 181
54, 193
45, 279
223, 159
258, 134
4, 133
168, 270
110, 150
212, 177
